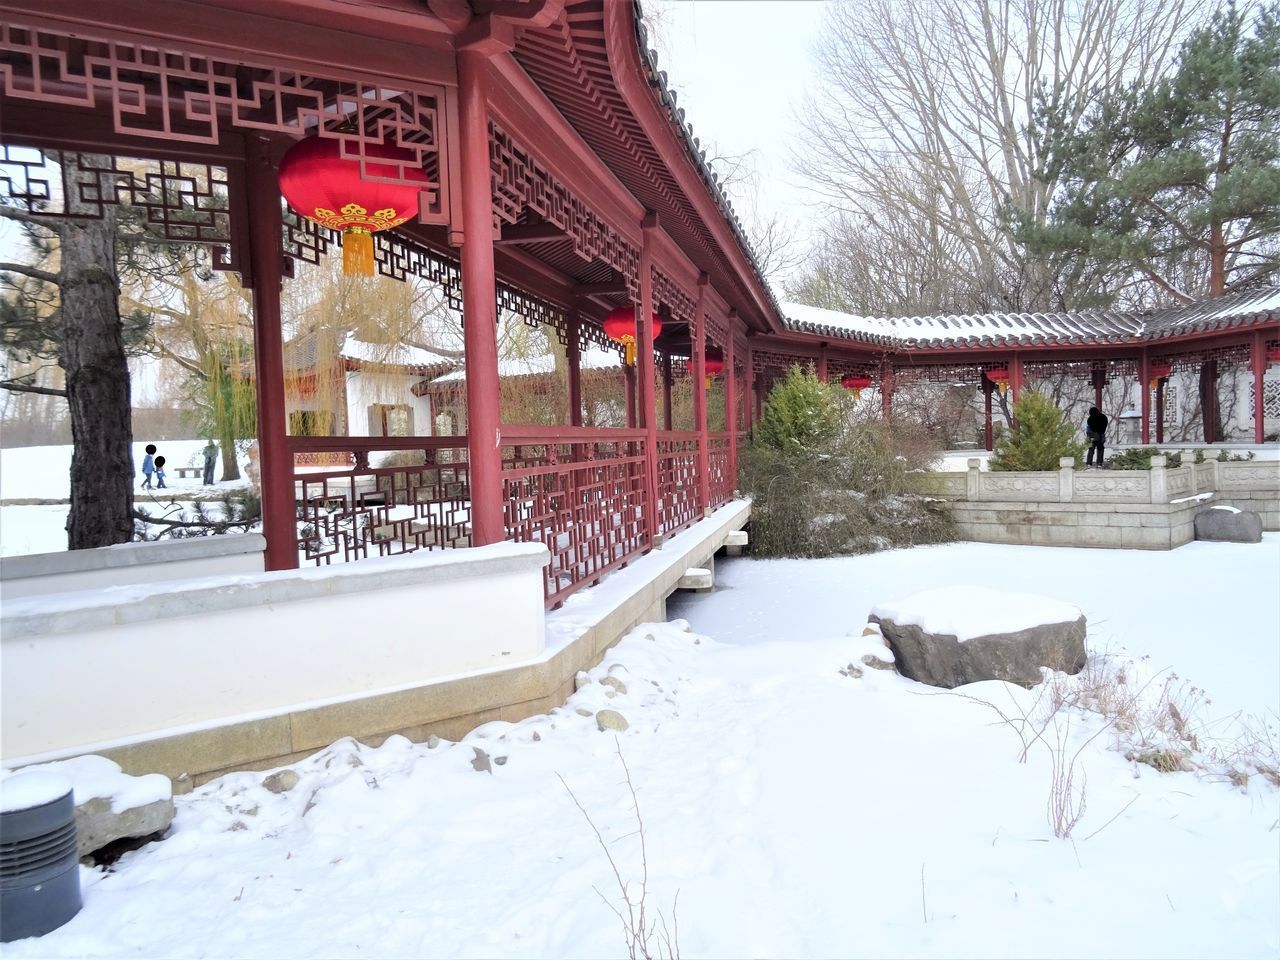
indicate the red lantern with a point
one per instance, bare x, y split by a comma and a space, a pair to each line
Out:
713, 364
620, 324
1000, 377
856, 383
324, 186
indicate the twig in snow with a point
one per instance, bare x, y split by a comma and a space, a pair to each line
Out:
1113, 819
924, 907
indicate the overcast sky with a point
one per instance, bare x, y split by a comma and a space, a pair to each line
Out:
742, 68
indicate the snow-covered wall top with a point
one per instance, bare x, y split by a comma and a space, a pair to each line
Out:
1027, 329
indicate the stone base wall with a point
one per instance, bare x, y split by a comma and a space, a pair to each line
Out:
1265, 503
1140, 526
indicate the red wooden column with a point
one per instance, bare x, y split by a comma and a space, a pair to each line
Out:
731, 398
987, 389
1099, 378
698, 370
479, 294
748, 408
1015, 377
573, 356
666, 391
629, 387
1258, 362
279, 509
644, 372
1144, 368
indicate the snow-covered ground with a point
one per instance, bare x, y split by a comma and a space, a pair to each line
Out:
795, 808
44, 473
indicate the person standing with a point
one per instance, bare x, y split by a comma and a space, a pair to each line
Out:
210, 458
148, 466
159, 473
1095, 431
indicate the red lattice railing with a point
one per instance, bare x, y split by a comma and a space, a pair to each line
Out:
579, 491
677, 480
416, 497
722, 479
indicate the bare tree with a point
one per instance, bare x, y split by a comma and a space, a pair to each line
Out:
921, 133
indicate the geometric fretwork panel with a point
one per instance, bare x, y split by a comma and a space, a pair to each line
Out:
1270, 399
346, 515
164, 200
722, 481
677, 481
667, 291
581, 497
520, 181
174, 95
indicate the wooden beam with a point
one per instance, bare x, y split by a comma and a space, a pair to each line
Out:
530, 233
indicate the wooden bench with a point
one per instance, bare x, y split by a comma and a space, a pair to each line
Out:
193, 471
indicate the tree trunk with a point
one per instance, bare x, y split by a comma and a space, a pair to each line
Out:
97, 375
230, 462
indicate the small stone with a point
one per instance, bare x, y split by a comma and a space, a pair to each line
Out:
537, 735
580, 680
871, 630
852, 670
480, 763
614, 682
282, 781
237, 826
875, 663
583, 712
500, 761
611, 720
432, 742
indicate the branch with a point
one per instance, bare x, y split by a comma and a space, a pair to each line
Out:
219, 525
32, 272
52, 224
17, 386
189, 365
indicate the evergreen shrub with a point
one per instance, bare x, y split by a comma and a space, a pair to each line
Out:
1041, 436
824, 482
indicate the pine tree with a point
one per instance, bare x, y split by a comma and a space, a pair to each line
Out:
801, 413
1174, 183
1039, 437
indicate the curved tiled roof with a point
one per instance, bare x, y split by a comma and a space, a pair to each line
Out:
974, 331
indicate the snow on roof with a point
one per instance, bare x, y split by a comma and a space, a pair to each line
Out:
1024, 329
400, 354
592, 359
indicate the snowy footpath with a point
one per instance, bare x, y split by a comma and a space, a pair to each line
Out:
790, 805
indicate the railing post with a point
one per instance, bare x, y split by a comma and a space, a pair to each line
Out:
266, 254
476, 45
644, 372
699, 374
973, 479
1159, 477
1066, 474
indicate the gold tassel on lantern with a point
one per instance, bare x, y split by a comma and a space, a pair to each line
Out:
629, 344
357, 252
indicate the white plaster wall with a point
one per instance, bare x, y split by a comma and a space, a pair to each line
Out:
200, 660
363, 392
126, 576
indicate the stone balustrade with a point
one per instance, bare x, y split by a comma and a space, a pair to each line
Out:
1148, 509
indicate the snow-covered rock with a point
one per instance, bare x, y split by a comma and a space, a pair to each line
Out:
610, 720
957, 635
1241, 526
110, 804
